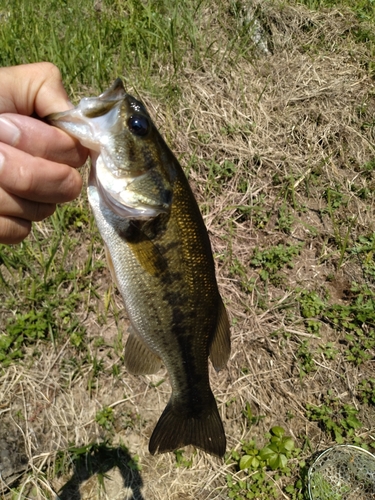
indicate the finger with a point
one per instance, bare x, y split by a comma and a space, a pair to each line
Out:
37, 179
29, 88
39, 139
13, 230
13, 206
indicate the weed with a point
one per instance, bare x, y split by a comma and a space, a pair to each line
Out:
254, 211
311, 305
255, 461
233, 130
250, 418
218, 173
105, 418
357, 321
329, 350
285, 219
339, 421
366, 391
257, 487
365, 249
97, 366
305, 359
49, 285
342, 228
335, 200
240, 273
279, 449
272, 260
181, 461
24, 329
129, 419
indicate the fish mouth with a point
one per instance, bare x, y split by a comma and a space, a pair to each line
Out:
104, 108
92, 107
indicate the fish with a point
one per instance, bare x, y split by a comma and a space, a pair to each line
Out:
159, 253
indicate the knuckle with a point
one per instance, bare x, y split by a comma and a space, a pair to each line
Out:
25, 180
72, 184
78, 157
13, 230
16, 177
43, 210
50, 69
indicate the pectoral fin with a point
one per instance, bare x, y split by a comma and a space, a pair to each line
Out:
220, 344
139, 360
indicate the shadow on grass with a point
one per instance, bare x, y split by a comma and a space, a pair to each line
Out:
99, 459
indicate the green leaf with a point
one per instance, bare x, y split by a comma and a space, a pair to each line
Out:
288, 443
266, 452
246, 462
353, 422
278, 461
278, 431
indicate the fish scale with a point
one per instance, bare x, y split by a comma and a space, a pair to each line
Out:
160, 257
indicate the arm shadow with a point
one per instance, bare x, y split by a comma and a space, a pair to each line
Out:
100, 459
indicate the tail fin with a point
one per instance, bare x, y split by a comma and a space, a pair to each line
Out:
175, 430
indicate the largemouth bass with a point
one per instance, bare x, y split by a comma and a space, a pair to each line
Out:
160, 257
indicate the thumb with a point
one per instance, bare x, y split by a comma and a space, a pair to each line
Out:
30, 88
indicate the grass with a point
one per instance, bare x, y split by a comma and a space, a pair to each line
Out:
277, 140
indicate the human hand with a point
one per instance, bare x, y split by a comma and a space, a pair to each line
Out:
36, 159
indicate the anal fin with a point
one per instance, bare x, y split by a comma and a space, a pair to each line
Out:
220, 343
139, 359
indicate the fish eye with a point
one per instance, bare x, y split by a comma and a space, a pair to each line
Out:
138, 125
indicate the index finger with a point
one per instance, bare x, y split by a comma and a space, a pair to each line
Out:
37, 179
44, 141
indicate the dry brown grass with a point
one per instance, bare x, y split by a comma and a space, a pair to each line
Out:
291, 121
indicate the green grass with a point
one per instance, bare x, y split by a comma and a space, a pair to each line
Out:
365, 9
93, 46
52, 287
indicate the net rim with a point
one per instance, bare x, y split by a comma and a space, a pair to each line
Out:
326, 452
